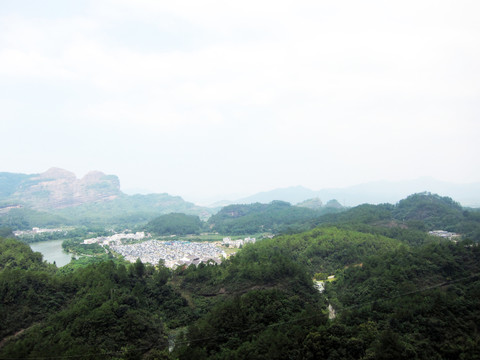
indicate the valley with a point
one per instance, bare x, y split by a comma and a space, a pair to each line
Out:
271, 280
239, 180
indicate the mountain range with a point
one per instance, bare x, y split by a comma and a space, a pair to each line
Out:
373, 193
57, 196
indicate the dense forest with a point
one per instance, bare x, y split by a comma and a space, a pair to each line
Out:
410, 218
392, 300
399, 302
175, 224
25, 219
275, 217
124, 211
106, 309
422, 212
131, 210
390, 291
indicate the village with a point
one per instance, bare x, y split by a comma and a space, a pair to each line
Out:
446, 235
171, 253
116, 238
36, 231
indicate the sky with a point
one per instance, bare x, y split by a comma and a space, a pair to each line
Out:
220, 99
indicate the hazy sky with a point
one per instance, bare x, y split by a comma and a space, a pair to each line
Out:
206, 98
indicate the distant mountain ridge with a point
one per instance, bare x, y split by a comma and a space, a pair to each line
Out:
293, 195
57, 196
377, 192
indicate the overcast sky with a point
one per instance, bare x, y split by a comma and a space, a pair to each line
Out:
209, 99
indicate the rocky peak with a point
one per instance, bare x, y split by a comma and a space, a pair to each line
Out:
57, 173
59, 188
93, 176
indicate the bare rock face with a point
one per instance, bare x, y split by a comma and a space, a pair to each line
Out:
57, 188
57, 173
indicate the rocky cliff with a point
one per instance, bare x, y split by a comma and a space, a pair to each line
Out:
58, 188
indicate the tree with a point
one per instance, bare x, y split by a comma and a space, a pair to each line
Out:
139, 268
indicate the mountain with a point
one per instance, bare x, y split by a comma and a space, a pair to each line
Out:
9, 183
314, 203
94, 312
243, 219
57, 188
293, 195
333, 204
418, 212
377, 192
57, 197
393, 191
133, 209
175, 224
384, 296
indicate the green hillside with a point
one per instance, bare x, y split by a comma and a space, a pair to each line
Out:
250, 219
392, 300
56, 197
415, 215
388, 297
396, 292
131, 209
124, 211
9, 183
175, 224
407, 304
24, 219
108, 310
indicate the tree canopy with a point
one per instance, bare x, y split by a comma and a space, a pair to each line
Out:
175, 224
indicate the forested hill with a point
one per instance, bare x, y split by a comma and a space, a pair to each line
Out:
175, 224
106, 310
126, 311
275, 217
410, 219
418, 212
124, 211
133, 209
417, 303
392, 301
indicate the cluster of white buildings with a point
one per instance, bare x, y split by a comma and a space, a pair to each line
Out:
228, 242
445, 234
116, 238
319, 285
35, 231
173, 253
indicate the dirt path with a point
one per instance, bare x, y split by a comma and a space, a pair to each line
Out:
5, 340
331, 312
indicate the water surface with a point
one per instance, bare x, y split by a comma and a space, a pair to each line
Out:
52, 251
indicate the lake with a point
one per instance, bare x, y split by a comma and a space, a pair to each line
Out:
52, 251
